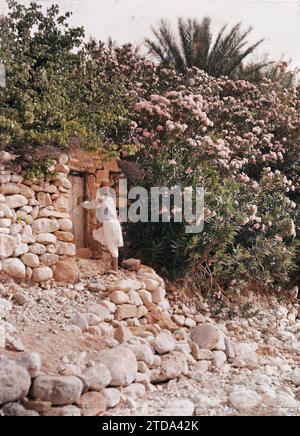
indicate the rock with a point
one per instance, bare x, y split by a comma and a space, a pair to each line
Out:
190, 323
243, 399
27, 235
21, 249
164, 343
45, 225
158, 295
64, 236
179, 408
122, 334
179, 319
65, 248
46, 238
7, 245
219, 359
125, 286
135, 391
206, 336
31, 362
49, 259
42, 274
92, 403
67, 271
63, 411
30, 259
14, 381
21, 299
80, 321
122, 365
15, 201
15, 409
65, 225
126, 311
102, 313
296, 377
151, 285
199, 354
131, 264
14, 268
119, 297
96, 377
113, 397
172, 366
146, 297
142, 352
59, 390
5, 307
14, 344
38, 249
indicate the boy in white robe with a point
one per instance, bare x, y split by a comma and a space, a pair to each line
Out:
110, 234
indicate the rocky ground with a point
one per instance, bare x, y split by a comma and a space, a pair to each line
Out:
120, 345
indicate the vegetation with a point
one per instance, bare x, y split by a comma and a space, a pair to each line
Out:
238, 140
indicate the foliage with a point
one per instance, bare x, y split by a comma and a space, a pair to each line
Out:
55, 94
194, 46
242, 144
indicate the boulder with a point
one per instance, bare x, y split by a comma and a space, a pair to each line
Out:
45, 225
92, 403
164, 342
113, 397
46, 238
142, 352
119, 297
125, 285
96, 377
122, 365
15, 201
125, 311
172, 366
179, 408
7, 245
27, 235
49, 259
30, 259
31, 362
207, 336
58, 390
42, 274
65, 224
14, 381
67, 271
14, 268
243, 399
65, 248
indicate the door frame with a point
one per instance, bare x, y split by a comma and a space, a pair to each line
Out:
83, 175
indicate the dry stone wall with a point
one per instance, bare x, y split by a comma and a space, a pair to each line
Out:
35, 226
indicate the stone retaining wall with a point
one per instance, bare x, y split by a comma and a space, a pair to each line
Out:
36, 239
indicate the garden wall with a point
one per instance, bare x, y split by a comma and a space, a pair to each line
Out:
36, 222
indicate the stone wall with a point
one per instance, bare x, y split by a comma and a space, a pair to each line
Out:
36, 230
35, 226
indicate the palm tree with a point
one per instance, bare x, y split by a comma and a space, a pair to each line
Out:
194, 47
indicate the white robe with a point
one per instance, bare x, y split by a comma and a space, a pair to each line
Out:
110, 234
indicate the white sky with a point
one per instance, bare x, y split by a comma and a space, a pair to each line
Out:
278, 21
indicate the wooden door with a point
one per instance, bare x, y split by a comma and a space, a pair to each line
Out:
77, 212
